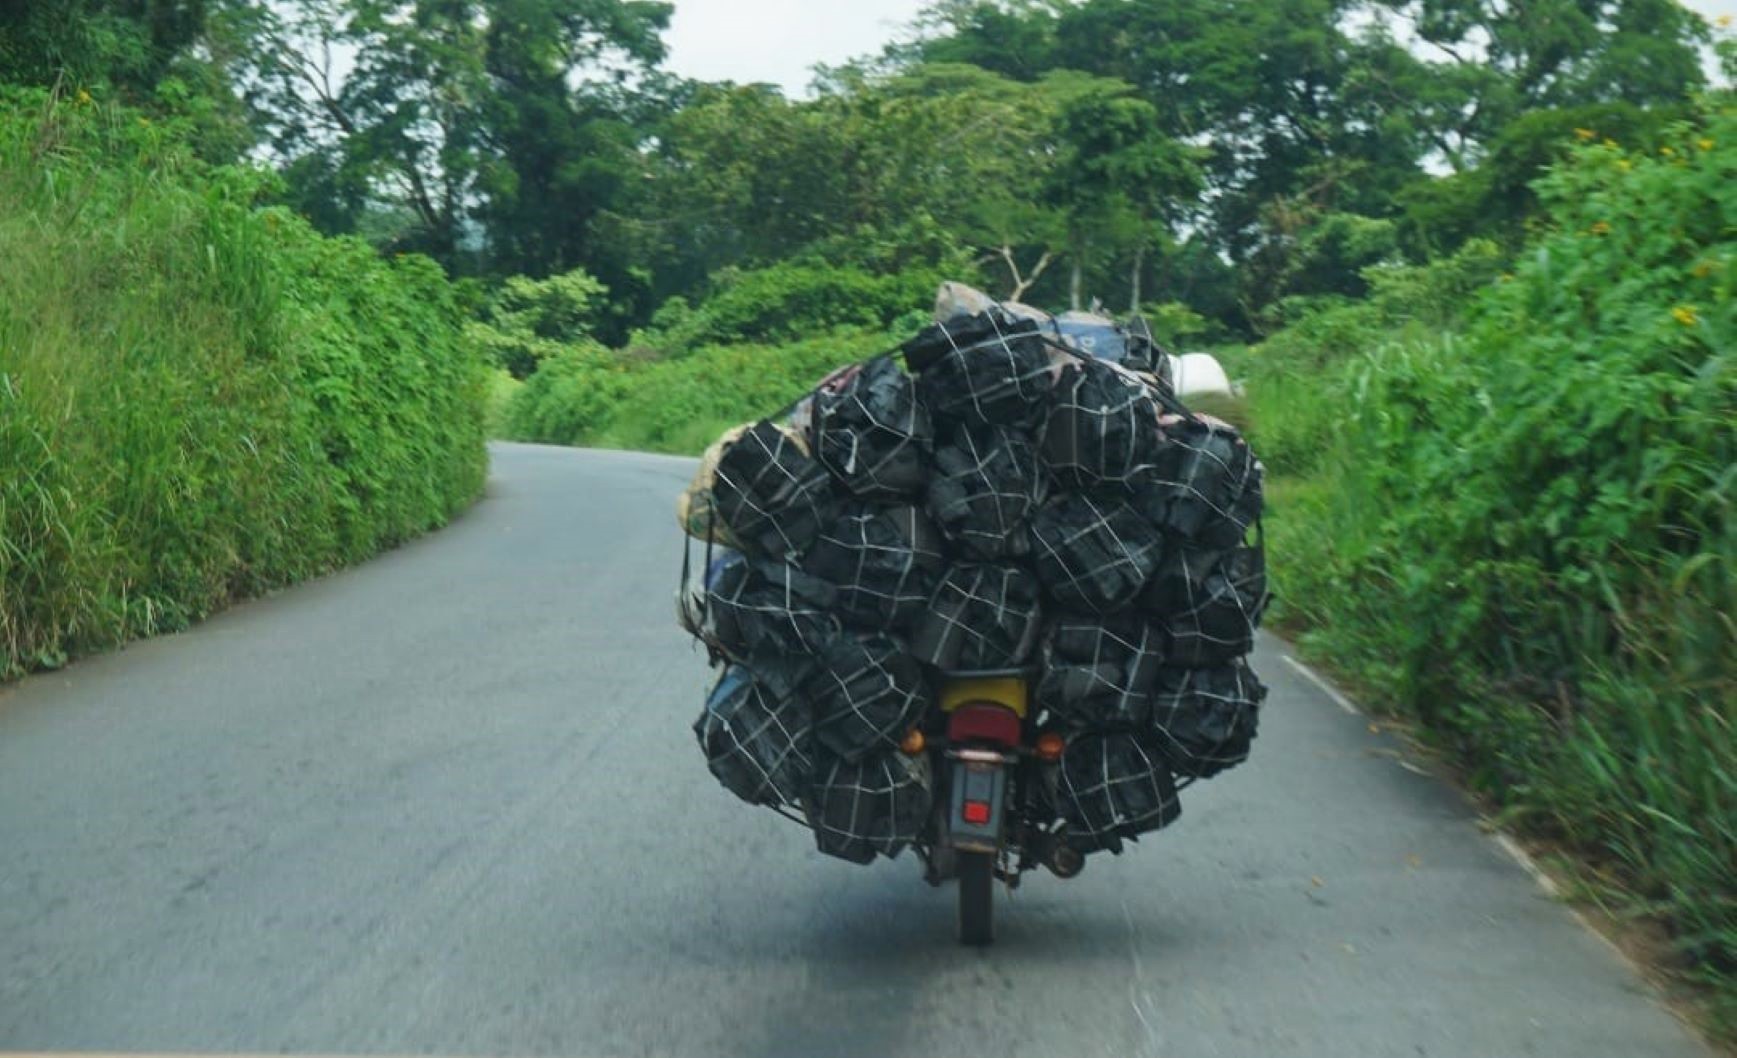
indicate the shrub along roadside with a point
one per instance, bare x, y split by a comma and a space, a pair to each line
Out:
1519, 532
591, 396
199, 400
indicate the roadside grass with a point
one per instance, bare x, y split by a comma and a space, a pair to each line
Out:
199, 400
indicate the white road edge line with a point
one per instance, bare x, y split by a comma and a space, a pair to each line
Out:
1520, 856
1326, 688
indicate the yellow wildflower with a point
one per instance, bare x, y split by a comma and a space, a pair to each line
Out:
1703, 269
1705, 143
1507, 277
1600, 228
1612, 144
1585, 134
1723, 22
1685, 315
1668, 152
83, 98
1624, 164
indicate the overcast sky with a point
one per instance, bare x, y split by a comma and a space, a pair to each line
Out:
780, 40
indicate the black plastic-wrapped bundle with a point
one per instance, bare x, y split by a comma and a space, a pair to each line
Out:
1102, 426
878, 804
1099, 673
982, 617
988, 370
1206, 719
1111, 787
757, 739
1206, 484
986, 483
873, 434
757, 607
1093, 555
866, 693
884, 561
771, 495
1210, 602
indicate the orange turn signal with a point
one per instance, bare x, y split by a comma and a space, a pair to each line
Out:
1051, 746
913, 743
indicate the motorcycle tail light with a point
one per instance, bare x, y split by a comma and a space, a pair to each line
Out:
976, 812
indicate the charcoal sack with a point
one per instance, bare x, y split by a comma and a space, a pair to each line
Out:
1210, 602
1093, 555
757, 607
757, 741
983, 616
1206, 484
866, 693
884, 563
1113, 787
770, 494
875, 805
1205, 719
872, 434
1099, 673
987, 370
1102, 426
986, 483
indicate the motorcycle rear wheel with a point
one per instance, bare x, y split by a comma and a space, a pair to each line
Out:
976, 898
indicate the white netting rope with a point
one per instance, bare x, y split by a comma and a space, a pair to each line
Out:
876, 805
756, 741
982, 617
987, 483
1206, 719
1093, 556
866, 693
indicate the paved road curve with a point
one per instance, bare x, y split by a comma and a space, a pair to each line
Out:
449, 804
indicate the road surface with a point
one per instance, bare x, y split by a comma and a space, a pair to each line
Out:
449, 803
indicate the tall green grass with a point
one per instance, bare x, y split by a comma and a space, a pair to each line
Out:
1515, 524
199, 400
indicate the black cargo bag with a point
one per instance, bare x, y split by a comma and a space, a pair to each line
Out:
1099, 672
1206, 486
1093, 555
755, 607
1102, 426
878, 804
1112, 787
982, 617
872, 434
1210, 602
757, 740
987, 370
1205, 719
884, 563
867, 693
771, 495
987, 482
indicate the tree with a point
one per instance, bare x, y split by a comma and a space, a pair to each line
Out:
491, 124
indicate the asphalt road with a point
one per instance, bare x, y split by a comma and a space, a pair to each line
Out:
449, 803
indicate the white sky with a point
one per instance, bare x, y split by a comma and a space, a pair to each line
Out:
779, 41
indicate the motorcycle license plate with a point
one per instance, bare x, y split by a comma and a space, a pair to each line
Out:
978, 804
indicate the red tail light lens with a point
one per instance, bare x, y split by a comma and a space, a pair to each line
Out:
976, 813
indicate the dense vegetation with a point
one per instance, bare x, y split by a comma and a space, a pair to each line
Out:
199, 399
1474, 259
1519, 531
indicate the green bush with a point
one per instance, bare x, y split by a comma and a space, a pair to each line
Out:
1521, 531
198, 400
590, 396
790, 302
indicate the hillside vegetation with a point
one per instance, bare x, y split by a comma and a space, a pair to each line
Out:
200, 400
